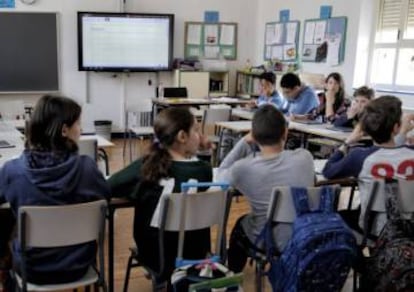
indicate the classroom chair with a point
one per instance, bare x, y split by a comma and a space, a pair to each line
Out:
138, 123
210, 117
377, 206
182, 212
281, 210
48, 227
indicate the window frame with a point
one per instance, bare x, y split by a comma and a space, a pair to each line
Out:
401, 43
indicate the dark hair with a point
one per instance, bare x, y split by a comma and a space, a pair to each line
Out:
44, 131
168, 123
364, 91
268, 76
340, 95
380, 116
268, 125
290, 80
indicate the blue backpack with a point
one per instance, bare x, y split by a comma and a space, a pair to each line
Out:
321, 251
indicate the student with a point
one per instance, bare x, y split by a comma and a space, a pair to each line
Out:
301, 99
255, 177
171, 156
51, 172
268, 94
336, 102
381, 120
349, 119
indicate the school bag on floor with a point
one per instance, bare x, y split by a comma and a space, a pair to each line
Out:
391, 266
321, 251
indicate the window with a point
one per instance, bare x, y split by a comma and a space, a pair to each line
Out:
392, 63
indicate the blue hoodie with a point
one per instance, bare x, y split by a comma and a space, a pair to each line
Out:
44, 179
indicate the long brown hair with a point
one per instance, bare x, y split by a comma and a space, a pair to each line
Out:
51, 113
340, 95
168, 123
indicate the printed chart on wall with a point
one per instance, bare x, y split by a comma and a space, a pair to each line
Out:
281, 41
210, 40
324, 40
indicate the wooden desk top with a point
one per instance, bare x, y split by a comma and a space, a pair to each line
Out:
321, 130
198, 101
102, 142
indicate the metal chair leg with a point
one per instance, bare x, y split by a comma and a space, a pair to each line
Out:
128, 272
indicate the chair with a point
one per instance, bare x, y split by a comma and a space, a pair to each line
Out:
47, 227
138, 123
376, 203
181, 212
210, 117
175, 92
281, 210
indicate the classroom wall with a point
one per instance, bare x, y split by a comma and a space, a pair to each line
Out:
299, 10
104, 95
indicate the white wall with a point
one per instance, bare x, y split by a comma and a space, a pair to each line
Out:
104, 96
302, 10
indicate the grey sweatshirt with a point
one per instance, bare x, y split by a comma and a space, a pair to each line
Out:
255, 176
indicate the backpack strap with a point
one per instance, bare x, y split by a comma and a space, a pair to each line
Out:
300, 200
327, 200
392, 195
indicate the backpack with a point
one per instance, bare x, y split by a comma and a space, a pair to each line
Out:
321, 251
391, 266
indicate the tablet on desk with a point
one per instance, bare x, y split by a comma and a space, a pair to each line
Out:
5, 144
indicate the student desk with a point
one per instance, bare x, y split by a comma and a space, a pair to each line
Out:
11, 135
159, 103
321, 130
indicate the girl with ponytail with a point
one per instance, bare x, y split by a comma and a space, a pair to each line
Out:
171, 155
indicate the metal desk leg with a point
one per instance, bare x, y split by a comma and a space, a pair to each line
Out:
105, 158
111, 236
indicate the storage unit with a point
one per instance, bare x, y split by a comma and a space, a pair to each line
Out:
248, 83
203, 83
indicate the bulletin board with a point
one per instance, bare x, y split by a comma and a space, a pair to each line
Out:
324, 40
281, 41
210, 40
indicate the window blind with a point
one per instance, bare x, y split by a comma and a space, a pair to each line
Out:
390, 14
410, 15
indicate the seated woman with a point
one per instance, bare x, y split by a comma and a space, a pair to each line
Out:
51, 172
362, 96
333, 102
171, 156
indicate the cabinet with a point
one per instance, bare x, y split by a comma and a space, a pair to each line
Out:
248, 83
203, 83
